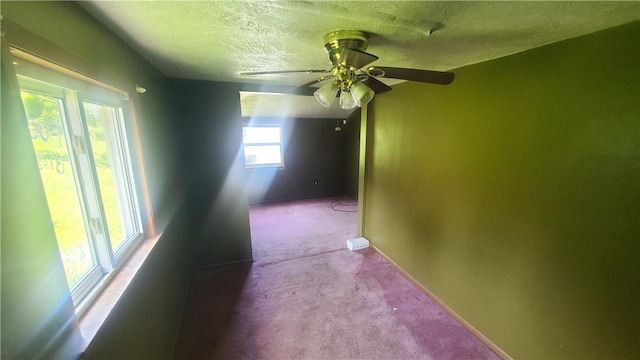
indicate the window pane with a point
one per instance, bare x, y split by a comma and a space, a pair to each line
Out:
102, 123
262, 155
263, 134
50, 145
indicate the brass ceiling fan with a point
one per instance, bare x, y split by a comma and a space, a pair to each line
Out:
348, 78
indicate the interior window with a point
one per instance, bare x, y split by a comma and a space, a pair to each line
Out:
262, 146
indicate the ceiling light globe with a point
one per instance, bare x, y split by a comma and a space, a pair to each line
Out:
346, 100
362, 94
326, 94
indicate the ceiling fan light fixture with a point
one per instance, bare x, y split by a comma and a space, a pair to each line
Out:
348, 78
346, 100
326, 94
362, 94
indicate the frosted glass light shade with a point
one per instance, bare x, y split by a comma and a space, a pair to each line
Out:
361, 93
346, 100
326, 94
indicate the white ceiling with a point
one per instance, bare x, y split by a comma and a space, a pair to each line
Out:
216, 40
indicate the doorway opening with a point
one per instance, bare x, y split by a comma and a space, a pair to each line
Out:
306, 202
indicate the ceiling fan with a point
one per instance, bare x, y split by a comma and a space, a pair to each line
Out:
348, 79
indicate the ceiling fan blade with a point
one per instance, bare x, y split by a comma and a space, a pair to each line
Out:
427, 76
305, 88
376, 85
283, 72
356, 58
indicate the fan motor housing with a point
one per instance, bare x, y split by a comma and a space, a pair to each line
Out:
335, 41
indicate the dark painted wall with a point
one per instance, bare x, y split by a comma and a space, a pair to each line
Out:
514, 194
35, 296
313, 151
145, 322
208, 128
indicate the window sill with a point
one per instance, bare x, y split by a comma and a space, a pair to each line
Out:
104, 297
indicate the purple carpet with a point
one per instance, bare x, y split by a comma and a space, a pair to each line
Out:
307, 296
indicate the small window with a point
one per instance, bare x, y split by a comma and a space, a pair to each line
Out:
262, 146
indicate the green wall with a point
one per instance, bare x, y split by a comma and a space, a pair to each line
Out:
35, 297
514, 194
351, 155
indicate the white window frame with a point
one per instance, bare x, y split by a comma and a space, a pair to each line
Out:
259, 144
71, 93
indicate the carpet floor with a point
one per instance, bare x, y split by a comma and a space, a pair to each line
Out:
306, 296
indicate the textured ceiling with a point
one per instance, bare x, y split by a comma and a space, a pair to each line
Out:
217, 40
